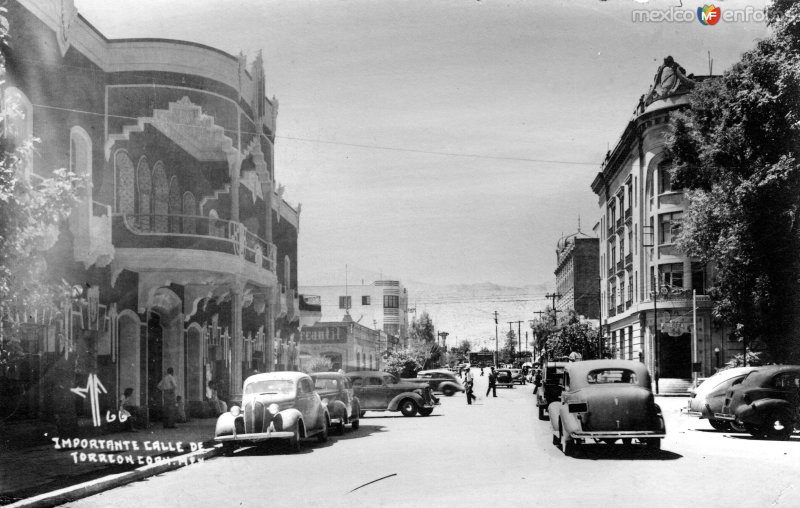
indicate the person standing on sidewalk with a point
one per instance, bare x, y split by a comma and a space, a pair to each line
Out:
168, 386
492, 383
468, 384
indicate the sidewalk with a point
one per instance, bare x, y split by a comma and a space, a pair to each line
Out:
30, 471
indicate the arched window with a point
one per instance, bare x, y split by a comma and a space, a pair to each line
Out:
174, 206
145, 187
125, 183
80, 163
215, 226
18, 121
160, 198
189, 208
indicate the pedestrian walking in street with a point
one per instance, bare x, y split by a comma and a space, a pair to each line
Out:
168, 385
492, 383
468, 385
481, 371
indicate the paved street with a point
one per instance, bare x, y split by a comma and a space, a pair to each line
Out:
496, 451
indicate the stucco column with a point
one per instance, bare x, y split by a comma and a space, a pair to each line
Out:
236, 341
269, 330
687, 274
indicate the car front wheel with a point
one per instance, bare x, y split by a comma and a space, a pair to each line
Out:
653, 443
448, 391
294, 441
408, 407
780, 425
322, 437
754, 430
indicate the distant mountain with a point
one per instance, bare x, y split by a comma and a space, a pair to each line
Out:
466, 311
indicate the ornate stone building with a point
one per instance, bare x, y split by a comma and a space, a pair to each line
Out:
577, 283
646, 282
184, 241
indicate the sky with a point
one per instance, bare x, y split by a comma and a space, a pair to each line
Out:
448, 141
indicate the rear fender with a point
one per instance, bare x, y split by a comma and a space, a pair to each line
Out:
226, 425
554, 409
337, 409
569, 421
760, 409
448, 384
395, 402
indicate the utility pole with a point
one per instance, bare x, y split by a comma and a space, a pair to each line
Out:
495, 338
555, 312
544, 346
519, 332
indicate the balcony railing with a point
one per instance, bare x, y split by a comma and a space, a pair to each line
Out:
611, 231
629, 259
610, 271
620, 308
195, 232
612, 311
619, 223
620, 265
628, 215
628, 304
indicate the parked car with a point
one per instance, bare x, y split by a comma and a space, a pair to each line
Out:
707, 398
381, 391
766, 402
518, 376
439, 381
552, 384
606, 400
337, 395
275, 405
505, 378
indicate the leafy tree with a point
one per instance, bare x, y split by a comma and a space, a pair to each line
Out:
422, 330
404, 362
319, 364
507, 352
31, 214
574, 336
735, 152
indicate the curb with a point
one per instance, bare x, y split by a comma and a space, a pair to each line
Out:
93, 487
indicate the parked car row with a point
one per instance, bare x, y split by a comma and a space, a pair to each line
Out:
292, 405
601, 401
763, 401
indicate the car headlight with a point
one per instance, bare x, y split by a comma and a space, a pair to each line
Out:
324, 402
236, 410
273, 408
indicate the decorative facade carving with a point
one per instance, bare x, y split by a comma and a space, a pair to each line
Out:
66, 15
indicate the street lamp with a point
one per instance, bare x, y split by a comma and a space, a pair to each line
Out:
716, 354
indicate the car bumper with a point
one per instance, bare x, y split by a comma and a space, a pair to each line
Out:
610, 434
255, 436
692, 412
724, 416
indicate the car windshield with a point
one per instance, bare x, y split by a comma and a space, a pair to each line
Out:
608, 376
282, 386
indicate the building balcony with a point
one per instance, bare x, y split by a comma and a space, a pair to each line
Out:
612, 311
611, 271
611, 232
620, 223
628, 215
620, 308
193, 233
629, 259
628, 303
620, 265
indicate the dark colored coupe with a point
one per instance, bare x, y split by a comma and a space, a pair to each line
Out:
766, 402
707, 398
381, 391
505, 377
439, 381
606, 400
337, 395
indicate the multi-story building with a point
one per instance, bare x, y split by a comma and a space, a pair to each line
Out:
647, 284
382, 305
184, 244
347, 344
577, 283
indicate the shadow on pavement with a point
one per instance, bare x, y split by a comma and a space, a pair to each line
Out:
623, 452
747, 437
281, 446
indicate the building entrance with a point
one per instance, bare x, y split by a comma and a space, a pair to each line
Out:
675, 356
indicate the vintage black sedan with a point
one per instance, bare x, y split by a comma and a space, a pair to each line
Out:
606, 401
505, 377
766, 402
336, 393
275, 405
439, 381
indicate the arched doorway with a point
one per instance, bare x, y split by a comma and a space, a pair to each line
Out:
194, 364
165, 346
130, 354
